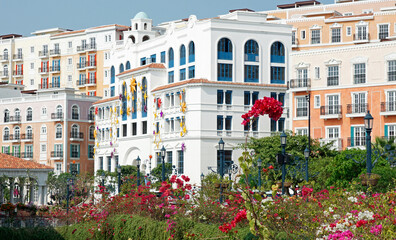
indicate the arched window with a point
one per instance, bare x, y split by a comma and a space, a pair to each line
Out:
127, 65
6, 115
191, 52
133, 40
59, 111
144, 97
145, 38
44, 111
75, 112
145, 26
124, 102
100, 113
5, 53
171, 57
74, 131
91, 132
5, 70
112, 74
224, 49
251, 51
29, 132
91, 114
29, 114
121, 68
182, 55
43, 129
58, 131
277, 53
6, 135
17, 114
17, 133
134, 101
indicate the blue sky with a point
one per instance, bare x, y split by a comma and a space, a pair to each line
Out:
26, 16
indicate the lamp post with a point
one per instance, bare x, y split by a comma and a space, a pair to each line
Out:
283, 138
368, 124
221, 149
119, 178
138, 170
163, 151
103, 176
259, 164
306, 155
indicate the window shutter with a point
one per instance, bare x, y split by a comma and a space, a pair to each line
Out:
95, 73
16, 68
47, 64
386, 130
22, 67
89, 57
71, 149
352, 135
95, 93
78, 151
95, 60
2, 148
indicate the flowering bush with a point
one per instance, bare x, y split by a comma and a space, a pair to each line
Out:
266, 105
7, 207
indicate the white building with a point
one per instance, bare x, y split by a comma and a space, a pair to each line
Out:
185, 84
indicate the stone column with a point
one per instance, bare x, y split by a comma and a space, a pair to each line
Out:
31, 190
40, 195
11, 190
45, 195
1, 193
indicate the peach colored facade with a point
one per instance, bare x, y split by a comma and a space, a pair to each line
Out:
51, 128
344, 56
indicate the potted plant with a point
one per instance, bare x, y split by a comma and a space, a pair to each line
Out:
369, 179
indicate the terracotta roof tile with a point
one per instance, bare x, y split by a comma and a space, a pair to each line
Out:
70, 32
151, 65
11, 162
106, 100
202, 80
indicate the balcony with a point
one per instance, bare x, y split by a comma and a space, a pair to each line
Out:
224, 55
12, 137
17, 57
56, 155
12, 119
49, 85
249, 57
27, 137
43, 54
43, 70
91, 65
18, 73
330, 112
81, 66
57, 116
356, 142
336, 143
55, 52
4, 74
91, 82
300, 83
76, 136
3, 58
361, 38
332, 81
294, 42
388, 108
81, 83
91, 117
28, 155
55, 69
357, 110
86, 47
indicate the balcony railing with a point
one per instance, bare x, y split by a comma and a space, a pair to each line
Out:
43, 53
18, 73
81, 82
57, 154
27, 136
336, 143
3, 57
77, 135
4, 74
357, 108
249, 57
335, 39
91, 81
49, 85
27, 155
330, 110
55, 52
361, 37
57, 115
18, 56
55, 68
43, 70
392, 76
11, 137
12, 119
389, 138
295, 41
332, 81
91, 116
388, 106
300, 83
81, 65
86, 47
356, 141
91, 64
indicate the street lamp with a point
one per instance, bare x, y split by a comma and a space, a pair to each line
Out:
119, 178
283, 138
163, 151
368, 124
259, 164
306, 155
221, 149
138, 170
103, 176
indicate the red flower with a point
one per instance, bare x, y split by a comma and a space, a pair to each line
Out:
271, 167
267, 105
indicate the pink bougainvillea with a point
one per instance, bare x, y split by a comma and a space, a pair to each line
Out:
267, 105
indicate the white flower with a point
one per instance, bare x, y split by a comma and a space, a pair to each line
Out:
353, 199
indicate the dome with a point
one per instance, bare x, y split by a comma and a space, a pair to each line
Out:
141, 15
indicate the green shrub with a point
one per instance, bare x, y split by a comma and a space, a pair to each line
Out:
38, 233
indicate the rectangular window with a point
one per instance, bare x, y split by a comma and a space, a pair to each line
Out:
335, 35
117, 163
134, 129
359, 136
227, 159
303, 35
144, 127
112, 91
359, 73
255, 125
220, 96
180, 164
278, 75
255, 96
191, 72
302, 107
109, 163
349, 31
333, 104
333, 132
315, 36
246, 97
359, 102
153, 58
142, 61
228, 97
32, 49
302, 77
281, 124
332, 76
224, 72
70, 44
43, 148
90, 151
251, 73
31, 65
362, 33
392, 70
169, 157
219, 122
163, 57
182, 74
228, 123
273, 95
317, 101
383, 31
124, 130
75, 150
302, 131
171, 77
294, 38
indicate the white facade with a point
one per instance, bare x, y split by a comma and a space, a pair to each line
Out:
206, 96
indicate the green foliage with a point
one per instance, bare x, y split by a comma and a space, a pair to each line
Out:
57, 185
38, 233
157, 171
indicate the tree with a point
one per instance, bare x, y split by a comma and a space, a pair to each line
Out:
157, 171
